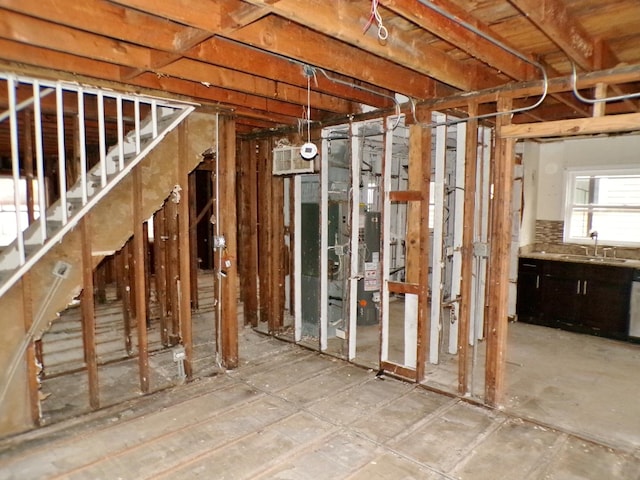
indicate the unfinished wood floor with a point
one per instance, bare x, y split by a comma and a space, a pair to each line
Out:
289, 413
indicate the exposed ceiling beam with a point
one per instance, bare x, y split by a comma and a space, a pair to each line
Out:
283, 37
114, 21
151, 83
233, 18
65, 39
234, 80
629, 122
210, 13
474, 44
461, 37
293, 41
344, 20
100, 16
552, 18
230, 54
555, 21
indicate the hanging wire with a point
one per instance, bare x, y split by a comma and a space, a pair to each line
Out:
309, 109
383, 33
579, 96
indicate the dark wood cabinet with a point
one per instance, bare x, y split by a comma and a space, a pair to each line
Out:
560, 293
605, 300
575, 296
528, 300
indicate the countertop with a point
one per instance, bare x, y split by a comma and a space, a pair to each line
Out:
568, 257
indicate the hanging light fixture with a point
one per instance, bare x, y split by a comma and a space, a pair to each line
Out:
309, 150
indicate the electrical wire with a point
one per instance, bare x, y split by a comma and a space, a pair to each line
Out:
501, 45
579, 96
383, 33
365, 89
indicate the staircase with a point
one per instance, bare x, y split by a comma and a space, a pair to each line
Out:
94, 182
111, 133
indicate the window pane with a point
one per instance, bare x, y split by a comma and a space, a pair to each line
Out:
608, 204
581, 192
578, 226
617, 225
618, 190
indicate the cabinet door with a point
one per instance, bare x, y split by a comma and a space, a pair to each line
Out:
528, 294
561, 289
605, 301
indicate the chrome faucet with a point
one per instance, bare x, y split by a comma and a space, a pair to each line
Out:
594, 236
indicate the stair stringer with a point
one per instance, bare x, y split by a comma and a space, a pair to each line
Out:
45, 295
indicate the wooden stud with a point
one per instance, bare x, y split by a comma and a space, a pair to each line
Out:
276, 239
216, 258
292, 241
422, 142
412, 196
498, 276
247, 230
133, 300
184, 241
31, 354
264, 227
125, 288
470, 171
147, 268
228, 221
193, 242
173, 268
138, 261
89, 314
599, 108
243, 207
160, 274
251, 305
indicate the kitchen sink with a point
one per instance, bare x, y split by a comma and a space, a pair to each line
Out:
585, 258
607, 260
574, 257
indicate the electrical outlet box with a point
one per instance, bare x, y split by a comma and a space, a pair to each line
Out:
481, 249
219, 242
179, 354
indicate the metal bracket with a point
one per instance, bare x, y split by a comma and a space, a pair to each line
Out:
481, 249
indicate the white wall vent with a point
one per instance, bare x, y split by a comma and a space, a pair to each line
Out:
287, 160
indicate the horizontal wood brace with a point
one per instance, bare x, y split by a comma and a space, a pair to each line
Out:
399, 370
402, 287
405, 196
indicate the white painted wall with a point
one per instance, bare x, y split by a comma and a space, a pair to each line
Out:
545, 164
530, 161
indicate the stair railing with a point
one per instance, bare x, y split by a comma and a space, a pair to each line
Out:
123, 127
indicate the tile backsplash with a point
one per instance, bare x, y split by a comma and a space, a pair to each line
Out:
549, 231
548, 239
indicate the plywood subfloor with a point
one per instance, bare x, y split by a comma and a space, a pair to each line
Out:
289, 413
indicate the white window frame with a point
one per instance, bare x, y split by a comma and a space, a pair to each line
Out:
571, 175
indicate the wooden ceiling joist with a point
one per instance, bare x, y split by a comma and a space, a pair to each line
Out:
581, 126
249, 55
343, 19
283, 37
